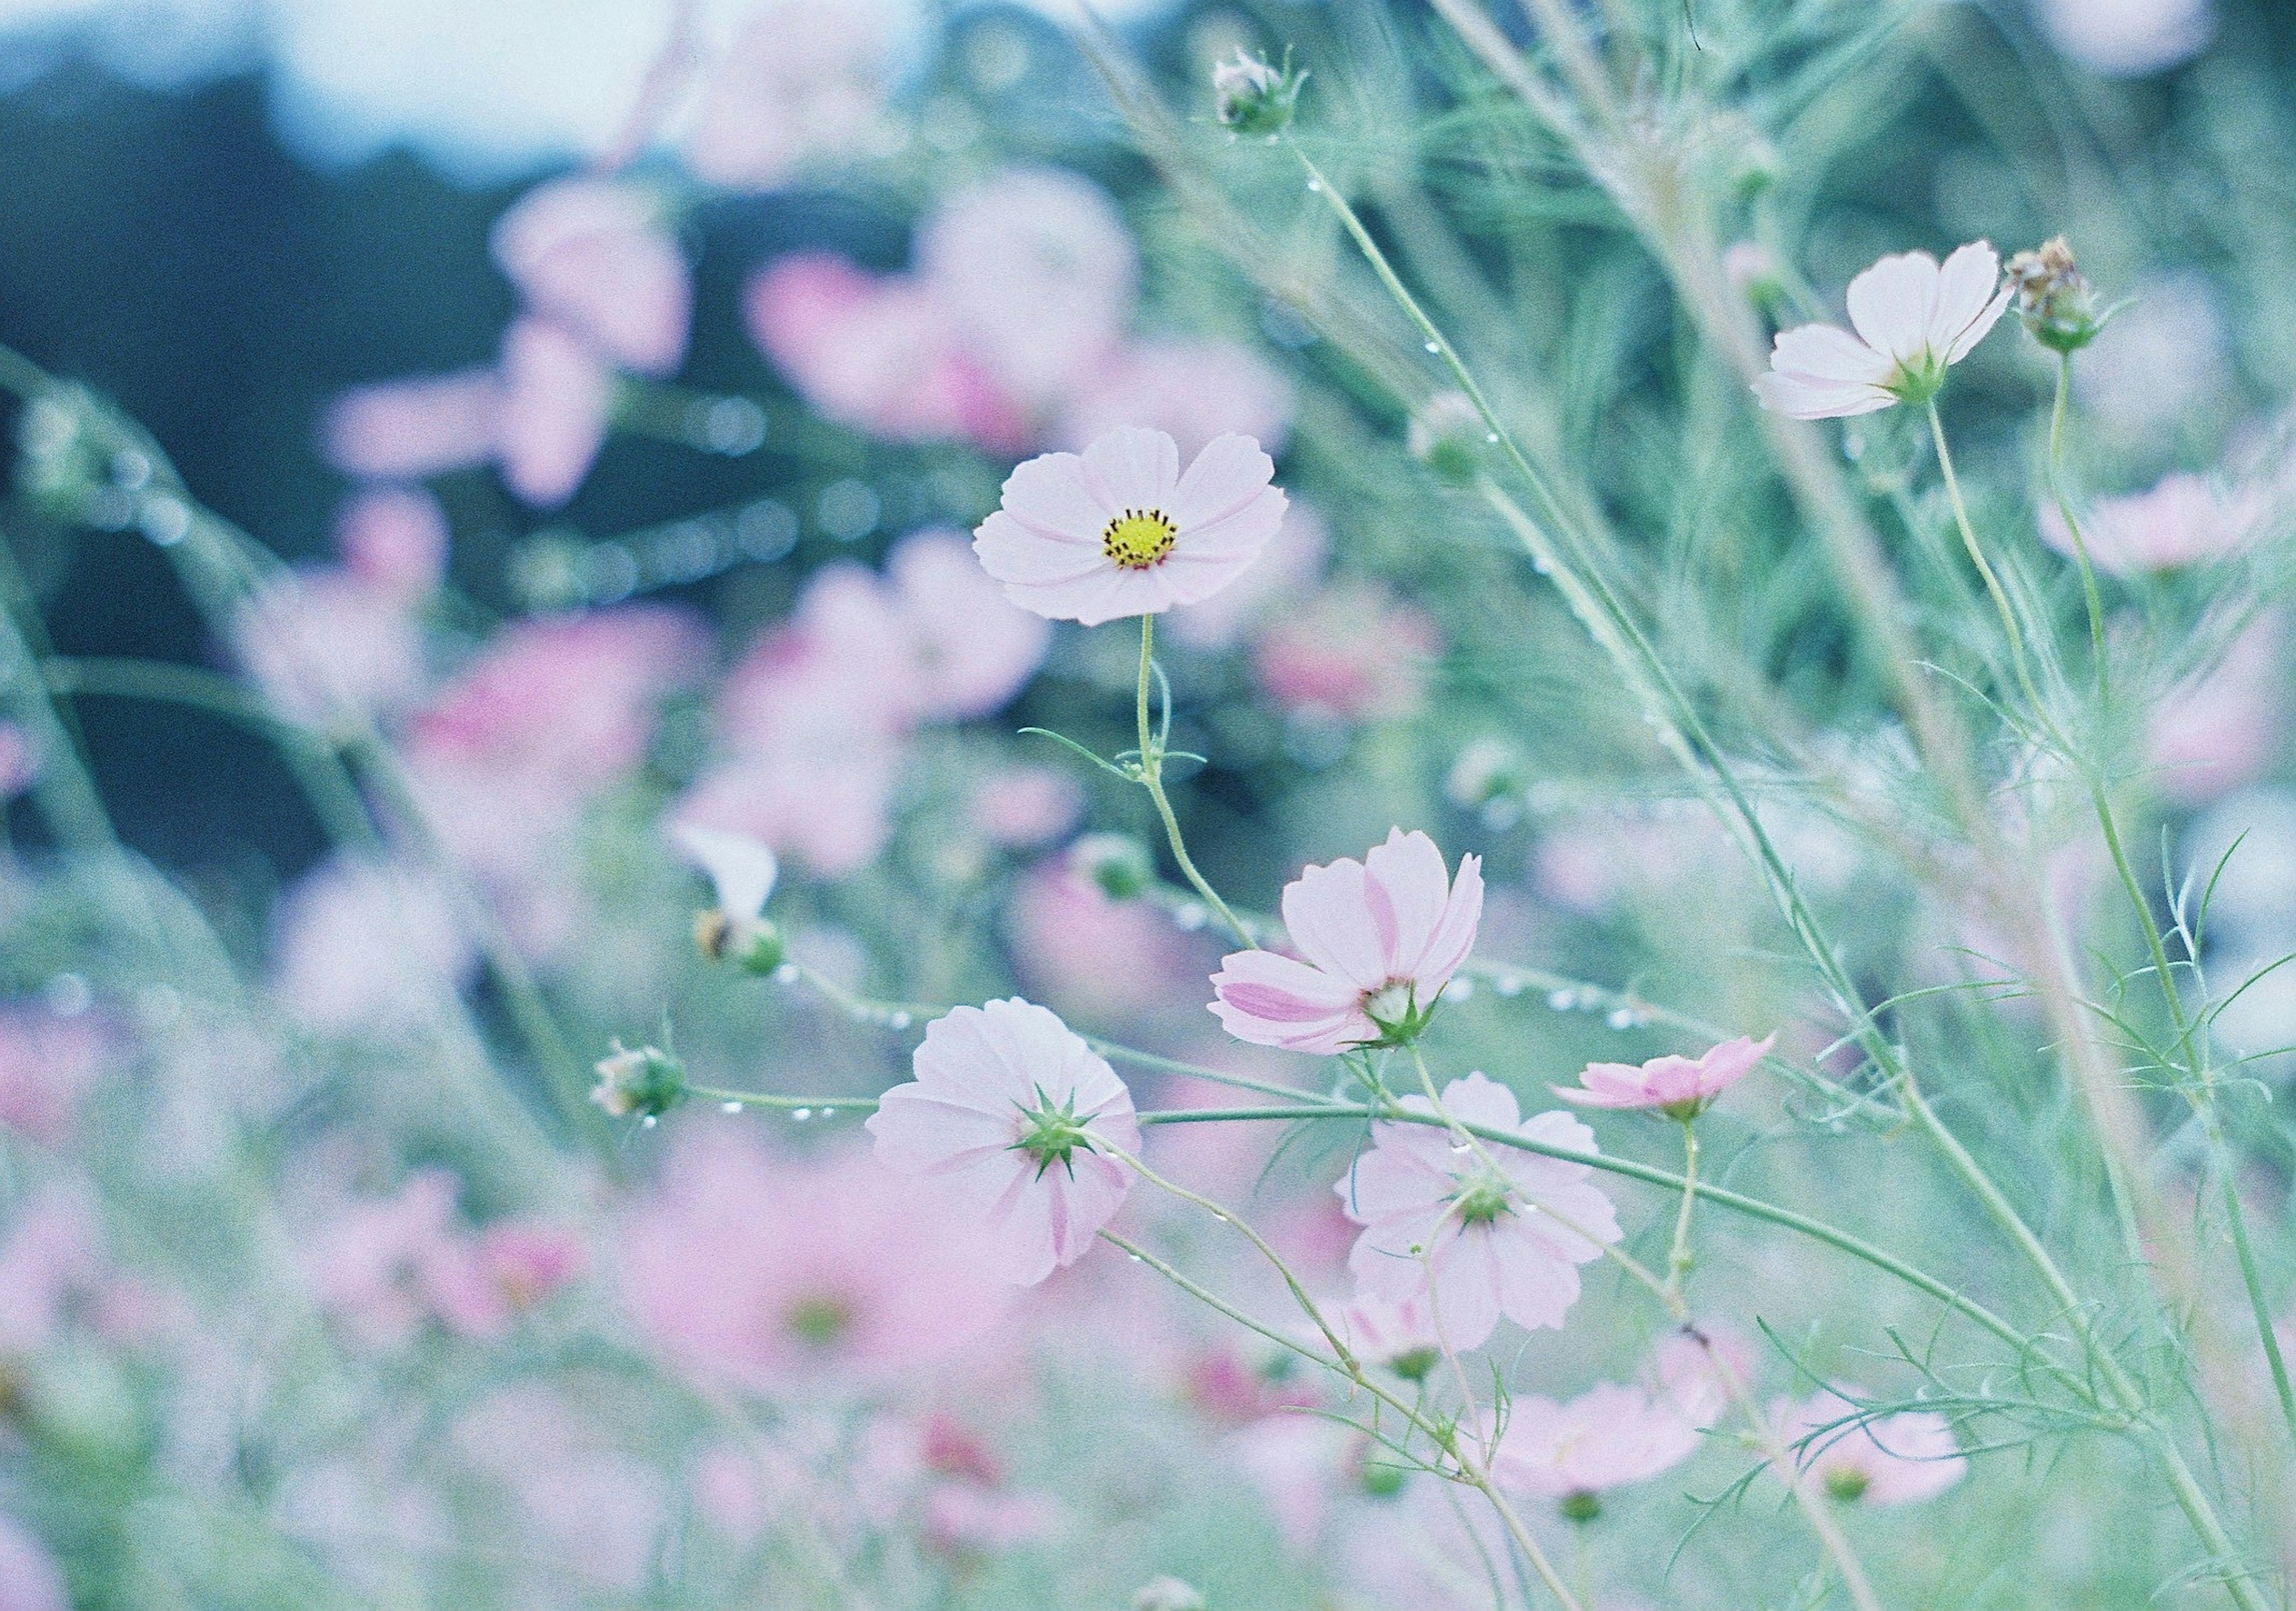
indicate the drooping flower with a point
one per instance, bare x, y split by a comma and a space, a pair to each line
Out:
591, 254
1382, 938
1011, 1114
1482, 1230
1117, 530
1913, 318
1610, 1436
1396, 1334
743, 872
2054, 299
773, 1271
1679, 1087
2183, 520
1888, 1459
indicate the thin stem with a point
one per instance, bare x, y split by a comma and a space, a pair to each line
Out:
2259, 1304
1677, 1262
1976, 550
2072, 524
1151, 778
770, 1103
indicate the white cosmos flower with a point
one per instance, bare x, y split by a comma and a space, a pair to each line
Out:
1913, 316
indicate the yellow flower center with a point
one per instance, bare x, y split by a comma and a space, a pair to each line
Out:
1139, 538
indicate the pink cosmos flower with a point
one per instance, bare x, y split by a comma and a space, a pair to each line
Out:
1382, 938
1352, 653
1913, 318
1480, 1230
1021, 807
1106, 960
1117, 530
369, 946
1039, 271
1610, 1436
970, 650
1287, 568
394, 539
590, 255
801, 79
1009, 1115
880, 353
1688, 1374
407, 430
47, 1064
592, 1510
557, 394
1679, 1087
2227, 726
29, 1578
53, 1261
1398, 1334
1891, 1459
326, 645
2183, 521
776, 1271
1191, 391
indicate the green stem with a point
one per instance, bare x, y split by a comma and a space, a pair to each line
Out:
1678, 1262
1976, 550
1151, 778
2095, 599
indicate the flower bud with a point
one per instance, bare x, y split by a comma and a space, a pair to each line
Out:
1118, 863
1581, 1507
1448, 436
1166, 1594
751, 944
2053, 298
642, 1084
1253, 97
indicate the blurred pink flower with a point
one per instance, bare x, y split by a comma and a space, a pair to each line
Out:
1039, 271
2183, 521
1022, 806
1351, 652
2225, 727
1913, 318
592, 256
47, 1066
20, 760
327, 646
596, 1512
1009, 1115
2127, 38
29, 1578
1688, 1374
1381, 936
1610, 1436
970, 649
52, 1261
1286, 570
1398, 1334
878, 353
1102, 960
1484, 1230
801, 79
1889, 1459
394, 539
557, 397
1192, 391
403, 431
1298, 1462
370, 1262
1119, 531
1680, 1087
779, 1272
366, 946
550, 714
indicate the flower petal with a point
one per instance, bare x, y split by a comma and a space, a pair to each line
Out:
1970, 297
1049, 494
1131, 468
1329, 915
1230, 473
1893, 303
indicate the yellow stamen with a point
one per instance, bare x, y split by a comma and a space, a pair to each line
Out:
1139, 538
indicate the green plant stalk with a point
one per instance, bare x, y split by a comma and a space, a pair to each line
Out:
2090, 593
1152, 779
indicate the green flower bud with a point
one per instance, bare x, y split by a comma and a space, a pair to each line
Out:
1118, 863
2053, 298
1253, 97
642, 1084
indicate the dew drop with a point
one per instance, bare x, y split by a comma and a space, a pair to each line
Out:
899, 1020
786, 974
801, 1115
1315, 184
648, 1123
1507, 985
729, 1107
1561, 1001
1491, 436
1434, 347
1621, 1018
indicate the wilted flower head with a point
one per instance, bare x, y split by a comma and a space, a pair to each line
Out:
1913, 318
743, 872
1679, 1087
1887, 1459
2053, 298
1610, 1436
1254, 97
643, 1084
1117, 530
1479, 1230
1012, 1115
1382, 938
